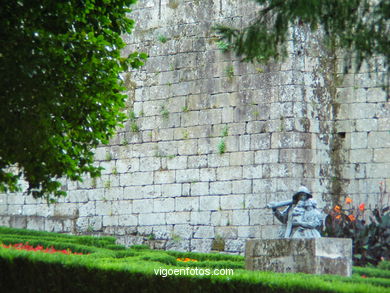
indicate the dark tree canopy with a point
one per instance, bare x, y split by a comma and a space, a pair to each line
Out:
60, 94
360, 27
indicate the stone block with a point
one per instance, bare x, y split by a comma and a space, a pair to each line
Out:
197, 161
200, 188
128, 220
187, 204
164, 205
242, 186
252, 171
164, 177
177, 163
380, 139
171, 190
241, 158
152, 219
209, 203
150, 164
204, 232
229, 173
260, 141
310, 256
232, 202
188, 175
201, 245
143, 206
224, 187
178, 218
266, 156
200, 218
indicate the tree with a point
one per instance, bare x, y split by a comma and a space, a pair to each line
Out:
60, 94
360, 27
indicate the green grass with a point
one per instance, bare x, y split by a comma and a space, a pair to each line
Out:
113, 268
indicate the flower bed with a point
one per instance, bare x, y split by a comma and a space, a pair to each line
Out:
27, 247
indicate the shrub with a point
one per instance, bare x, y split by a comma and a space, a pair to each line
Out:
371, 240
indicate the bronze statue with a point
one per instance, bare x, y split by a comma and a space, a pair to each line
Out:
301, 217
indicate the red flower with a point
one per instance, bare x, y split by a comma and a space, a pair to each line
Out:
361, 207
21, 246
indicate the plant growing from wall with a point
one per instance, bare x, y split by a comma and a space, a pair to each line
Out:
229, 71
125, 141
108, 156
134, 127
164, 112
61, 95
133, 122
185, 134
107, 184
162, 39
223, 46
222, 147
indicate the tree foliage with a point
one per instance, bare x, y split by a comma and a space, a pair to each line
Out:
361, 27
60, 94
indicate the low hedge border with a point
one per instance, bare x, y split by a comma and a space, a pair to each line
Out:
113, 268
23, 270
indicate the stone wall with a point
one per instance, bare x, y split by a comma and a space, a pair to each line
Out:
210, 140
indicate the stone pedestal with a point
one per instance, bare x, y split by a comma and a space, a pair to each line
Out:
311, 256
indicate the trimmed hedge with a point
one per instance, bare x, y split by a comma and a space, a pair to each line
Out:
111, 268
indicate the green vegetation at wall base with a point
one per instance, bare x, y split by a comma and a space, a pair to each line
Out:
112, 268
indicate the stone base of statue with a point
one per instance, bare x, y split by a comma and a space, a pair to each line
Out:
311, 256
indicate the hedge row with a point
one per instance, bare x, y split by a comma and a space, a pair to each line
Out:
112, 268
25, 271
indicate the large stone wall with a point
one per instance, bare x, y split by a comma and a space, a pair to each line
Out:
211, 140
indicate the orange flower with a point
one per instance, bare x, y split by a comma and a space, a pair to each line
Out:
338, 217
337, 209
185, 259
352, 218
348, 200
361, 207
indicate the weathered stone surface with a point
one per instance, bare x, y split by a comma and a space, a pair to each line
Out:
280, 123
311, 256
